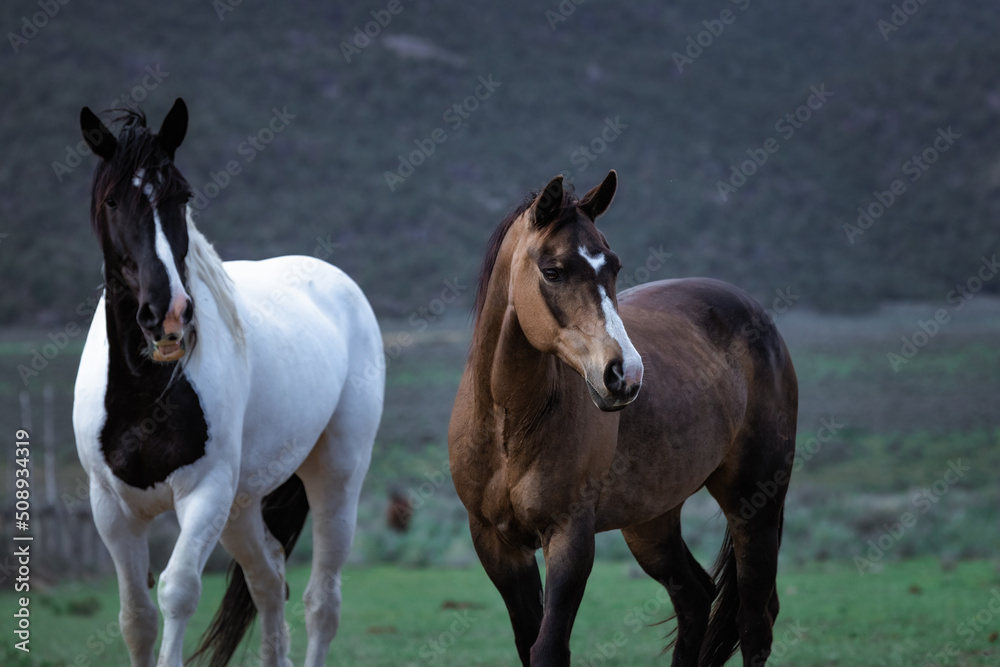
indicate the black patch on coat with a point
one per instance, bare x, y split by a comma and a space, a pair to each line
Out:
155, 423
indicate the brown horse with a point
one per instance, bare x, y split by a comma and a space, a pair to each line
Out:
538, 465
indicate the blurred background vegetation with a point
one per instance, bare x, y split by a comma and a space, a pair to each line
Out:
319, 187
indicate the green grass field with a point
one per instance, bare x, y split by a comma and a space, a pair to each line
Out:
903, 616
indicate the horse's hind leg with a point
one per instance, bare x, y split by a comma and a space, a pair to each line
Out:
661, 552
126, 539
333, 474
752, 499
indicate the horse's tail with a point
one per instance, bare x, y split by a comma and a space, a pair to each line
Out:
722, 638
284, 511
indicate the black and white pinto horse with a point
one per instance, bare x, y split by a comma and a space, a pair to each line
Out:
234, 393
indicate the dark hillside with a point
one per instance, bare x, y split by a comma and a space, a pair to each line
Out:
601, 89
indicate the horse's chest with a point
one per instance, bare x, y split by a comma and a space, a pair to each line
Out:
147, 436
521, 505
510, 521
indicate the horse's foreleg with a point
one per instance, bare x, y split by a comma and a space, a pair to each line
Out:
569, 557
126, 539
202, 515
515, 574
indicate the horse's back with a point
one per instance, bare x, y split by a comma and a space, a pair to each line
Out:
291, 284
702, 314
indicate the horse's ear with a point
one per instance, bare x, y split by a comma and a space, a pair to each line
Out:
548, 204
597, 201
174, 128
96, 134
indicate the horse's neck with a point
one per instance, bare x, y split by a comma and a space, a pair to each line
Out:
514, 382
523, 379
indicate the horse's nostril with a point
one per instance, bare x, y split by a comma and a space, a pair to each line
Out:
614, 376
188, 312
148, 316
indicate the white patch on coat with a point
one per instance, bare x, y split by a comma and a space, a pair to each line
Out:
595, 261
161, 243
631, 361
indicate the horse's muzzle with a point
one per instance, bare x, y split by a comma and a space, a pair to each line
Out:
168, 349
612, 402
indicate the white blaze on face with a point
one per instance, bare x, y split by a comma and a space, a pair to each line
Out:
595, 261
178, 295
631, 361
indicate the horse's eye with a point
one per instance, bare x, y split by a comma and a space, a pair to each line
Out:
111, 203
552, 275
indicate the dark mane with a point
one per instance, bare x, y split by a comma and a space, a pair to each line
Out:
567, 214
137, 148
